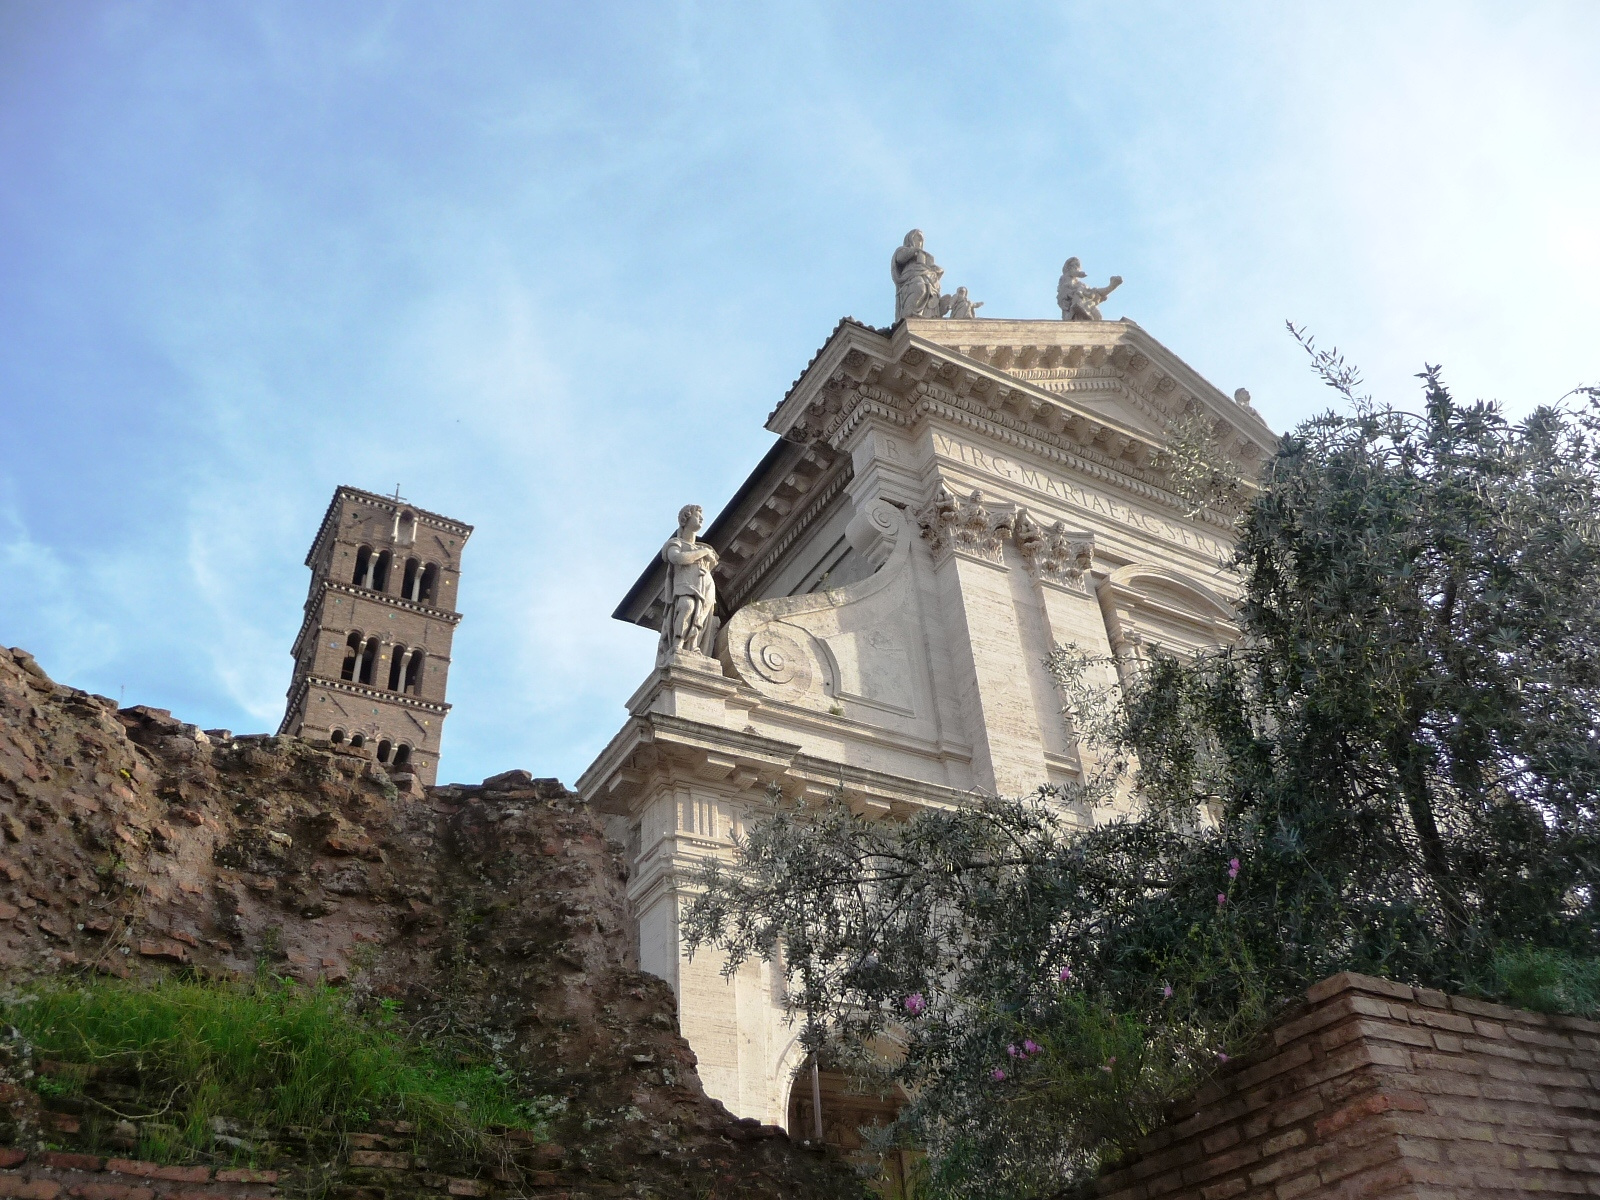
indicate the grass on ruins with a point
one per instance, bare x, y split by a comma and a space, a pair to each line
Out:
1548, 981
262, 1056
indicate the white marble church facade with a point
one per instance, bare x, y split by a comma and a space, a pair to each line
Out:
945, 501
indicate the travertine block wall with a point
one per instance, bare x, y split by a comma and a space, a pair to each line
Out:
1378, 1089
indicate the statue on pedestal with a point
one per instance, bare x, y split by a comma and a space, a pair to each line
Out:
689, 624
1079, 301
916, 279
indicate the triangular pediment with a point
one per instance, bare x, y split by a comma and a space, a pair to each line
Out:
1092, 379
1102, 394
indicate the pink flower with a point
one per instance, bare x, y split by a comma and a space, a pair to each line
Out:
1108, 1064
1222, 897
1031, 1047
1012, 1051
1066, 975
997, 1075
1222, 1056
1166, 991
915, 1003
1233, 868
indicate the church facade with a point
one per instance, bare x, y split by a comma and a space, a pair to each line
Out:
945, 501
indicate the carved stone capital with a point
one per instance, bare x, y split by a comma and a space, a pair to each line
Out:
964, 526
1053, 555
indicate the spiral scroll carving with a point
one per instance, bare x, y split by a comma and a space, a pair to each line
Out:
778, 658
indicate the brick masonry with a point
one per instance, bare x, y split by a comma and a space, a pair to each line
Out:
49, 1175
53, 1175
1376, 1089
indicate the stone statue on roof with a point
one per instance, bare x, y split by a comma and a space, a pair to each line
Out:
960, 307
1079, 301
689, 624
916, 279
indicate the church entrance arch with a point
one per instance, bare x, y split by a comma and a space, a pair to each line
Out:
846, 1111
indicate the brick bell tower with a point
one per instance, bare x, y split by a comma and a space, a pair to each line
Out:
373, 653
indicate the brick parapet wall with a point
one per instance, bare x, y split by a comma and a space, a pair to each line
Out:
59, 1175
51, 1174
1372, 1089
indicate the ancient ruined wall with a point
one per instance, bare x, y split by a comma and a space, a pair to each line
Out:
132, 844
1378, 1089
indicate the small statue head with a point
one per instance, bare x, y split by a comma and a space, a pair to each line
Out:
914, 239
690, 517
1242, 397
1072, 268
961, 292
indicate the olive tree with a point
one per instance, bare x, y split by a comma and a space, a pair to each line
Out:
1394, 770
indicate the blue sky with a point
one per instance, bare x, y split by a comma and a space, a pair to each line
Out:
548, 268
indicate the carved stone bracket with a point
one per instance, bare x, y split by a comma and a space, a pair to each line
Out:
964, 526
1053, 555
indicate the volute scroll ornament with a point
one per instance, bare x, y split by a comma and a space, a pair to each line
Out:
778, 658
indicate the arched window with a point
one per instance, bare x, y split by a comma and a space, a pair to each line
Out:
337, 737
363, 565
352, 651
428, 592
397, 666
369, 661
405, 529
414, 673
380, 572
402, 756
410, 582
383, 750
358, 740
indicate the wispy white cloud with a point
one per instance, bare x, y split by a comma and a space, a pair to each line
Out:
549, 270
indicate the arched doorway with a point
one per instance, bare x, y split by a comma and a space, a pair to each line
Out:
846, 1110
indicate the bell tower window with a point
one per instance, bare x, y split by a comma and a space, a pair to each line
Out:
352, 652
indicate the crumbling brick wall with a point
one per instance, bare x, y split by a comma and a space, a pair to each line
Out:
1373, 1088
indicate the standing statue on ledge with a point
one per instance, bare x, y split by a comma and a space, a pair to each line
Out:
1079, 301
691, 591
916, 279
960, 306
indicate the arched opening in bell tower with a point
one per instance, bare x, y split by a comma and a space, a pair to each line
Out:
352, 652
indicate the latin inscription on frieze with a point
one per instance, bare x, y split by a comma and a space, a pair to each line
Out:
1077, 496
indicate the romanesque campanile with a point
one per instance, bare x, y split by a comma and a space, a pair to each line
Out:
373, 653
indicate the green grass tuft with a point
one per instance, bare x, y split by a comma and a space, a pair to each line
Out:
1548, 981
265, 1056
